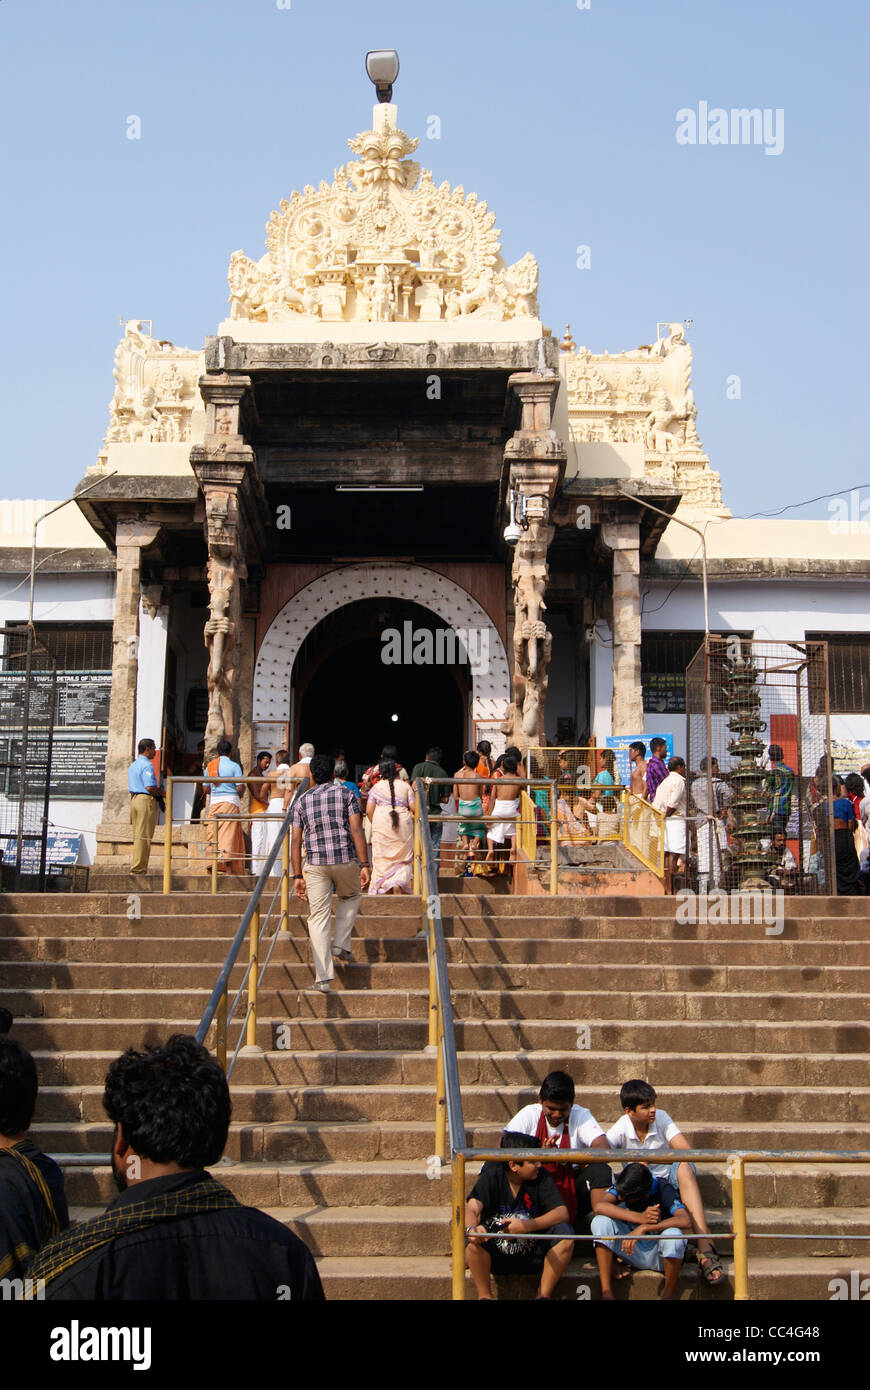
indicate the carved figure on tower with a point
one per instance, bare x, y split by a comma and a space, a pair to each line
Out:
380, 243
532, 640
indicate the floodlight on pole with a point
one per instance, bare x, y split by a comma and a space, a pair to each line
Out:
382, 66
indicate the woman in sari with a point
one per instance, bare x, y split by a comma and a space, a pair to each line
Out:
846, 863
389, 808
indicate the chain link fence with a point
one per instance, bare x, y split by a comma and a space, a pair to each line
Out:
760, 793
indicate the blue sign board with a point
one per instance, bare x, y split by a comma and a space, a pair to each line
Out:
619, 743
62, 850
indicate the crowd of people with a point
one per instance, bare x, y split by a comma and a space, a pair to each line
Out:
167, 1233
699, 821
514, 1200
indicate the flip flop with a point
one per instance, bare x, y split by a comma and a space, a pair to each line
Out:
710, 1266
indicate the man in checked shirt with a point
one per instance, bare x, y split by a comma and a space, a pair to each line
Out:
335, 857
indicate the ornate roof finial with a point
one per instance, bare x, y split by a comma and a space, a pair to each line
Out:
567, 344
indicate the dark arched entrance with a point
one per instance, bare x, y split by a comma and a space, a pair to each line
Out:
346, 695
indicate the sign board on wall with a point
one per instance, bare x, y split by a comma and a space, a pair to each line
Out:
80, 738
62, 850
620, 742
849, 755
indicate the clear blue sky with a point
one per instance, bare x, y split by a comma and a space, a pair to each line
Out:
563, 119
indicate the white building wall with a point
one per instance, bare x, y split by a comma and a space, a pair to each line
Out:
775, 611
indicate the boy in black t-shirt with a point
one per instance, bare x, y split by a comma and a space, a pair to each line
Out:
514, 1198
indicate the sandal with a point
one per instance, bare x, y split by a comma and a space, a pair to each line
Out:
710, 1266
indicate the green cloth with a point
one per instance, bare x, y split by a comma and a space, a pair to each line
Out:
471, 828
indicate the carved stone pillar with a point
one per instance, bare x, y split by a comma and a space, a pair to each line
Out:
623, 538
536, 461
235, 526
131, 537
245, 684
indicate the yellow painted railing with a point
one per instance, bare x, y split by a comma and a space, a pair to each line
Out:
264, 922
642, 831
526, 836
735, 1169
208, 861
450, 1136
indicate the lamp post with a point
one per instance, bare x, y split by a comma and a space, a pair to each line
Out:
382, 66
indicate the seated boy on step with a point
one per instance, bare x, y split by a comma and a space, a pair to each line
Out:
643, 1126
637, 1205
516, 1199
558, 1123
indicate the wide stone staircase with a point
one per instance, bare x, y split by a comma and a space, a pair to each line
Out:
753, 1041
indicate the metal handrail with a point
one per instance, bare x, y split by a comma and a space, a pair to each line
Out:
250, 927
438, 963
522, 784
449, 1107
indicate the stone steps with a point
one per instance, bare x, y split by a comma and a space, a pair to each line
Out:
768, 956
599, 1073
348, 1026
572, 980
770, 1278
401, 1184
466, 905
486, 1107
835, 930
753, 1041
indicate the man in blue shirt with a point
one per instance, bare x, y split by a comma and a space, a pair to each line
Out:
639, 1205
225, 809
144, 792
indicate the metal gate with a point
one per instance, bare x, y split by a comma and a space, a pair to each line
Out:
28, 707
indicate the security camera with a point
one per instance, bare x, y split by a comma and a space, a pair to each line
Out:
513, 533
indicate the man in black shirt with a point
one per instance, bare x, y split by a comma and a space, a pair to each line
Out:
32, 1201
516, 1199
174, 1232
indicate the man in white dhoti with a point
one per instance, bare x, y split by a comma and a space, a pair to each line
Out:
711, 824
670, 798
503, 799
281, 787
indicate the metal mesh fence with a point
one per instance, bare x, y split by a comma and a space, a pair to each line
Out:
28, 702
760, 795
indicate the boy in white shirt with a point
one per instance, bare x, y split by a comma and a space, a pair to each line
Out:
560, 1124
643, 1126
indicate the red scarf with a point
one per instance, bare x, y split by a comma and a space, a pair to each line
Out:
561, 1173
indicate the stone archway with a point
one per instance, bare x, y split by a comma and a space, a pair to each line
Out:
442, 596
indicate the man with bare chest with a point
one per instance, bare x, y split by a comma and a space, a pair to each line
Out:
471, 832
639, 817
637, 753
